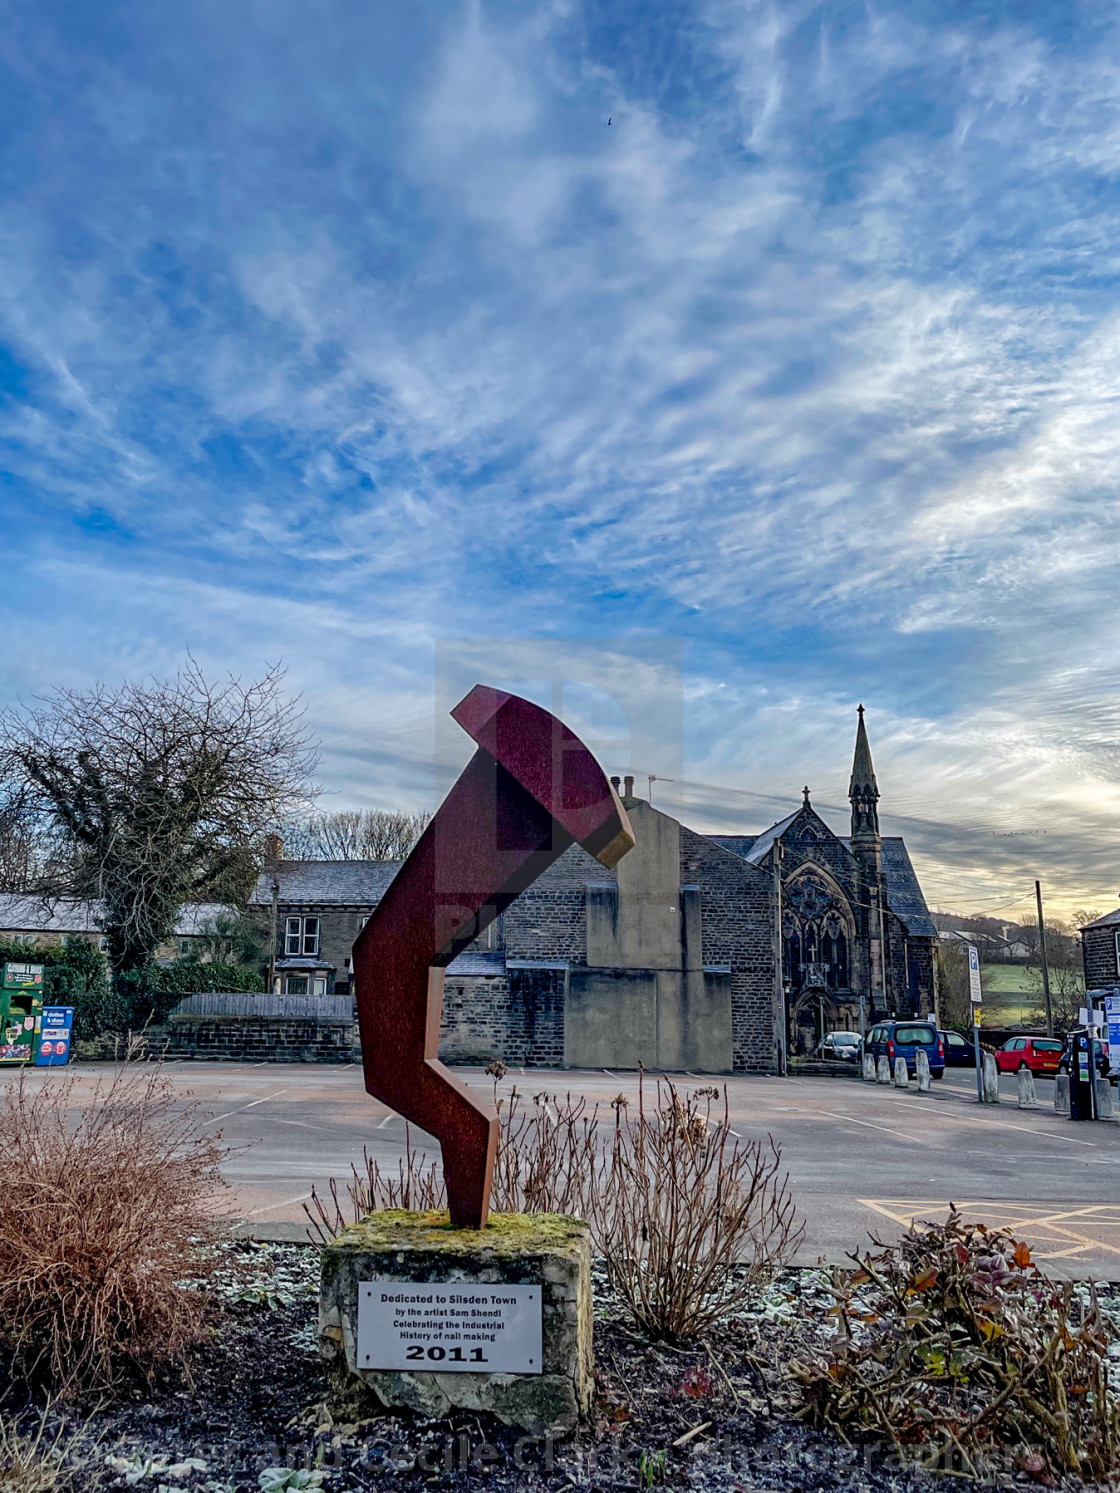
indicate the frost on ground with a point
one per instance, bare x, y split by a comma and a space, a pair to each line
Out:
257, 1417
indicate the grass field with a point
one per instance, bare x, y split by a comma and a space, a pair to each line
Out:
1012, 992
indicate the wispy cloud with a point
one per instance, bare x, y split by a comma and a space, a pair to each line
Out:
329, 331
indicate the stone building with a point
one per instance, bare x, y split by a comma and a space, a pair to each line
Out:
38, 922
857, 940
318, 909
672, 960
1100, 951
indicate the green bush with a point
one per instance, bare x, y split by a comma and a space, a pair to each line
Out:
75, 973
152, 992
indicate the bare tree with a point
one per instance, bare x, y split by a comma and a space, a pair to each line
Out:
1067, 976
157, 794
354, 835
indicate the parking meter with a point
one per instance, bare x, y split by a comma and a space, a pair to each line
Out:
1082, 1075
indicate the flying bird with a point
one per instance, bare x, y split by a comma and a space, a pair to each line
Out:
609, 120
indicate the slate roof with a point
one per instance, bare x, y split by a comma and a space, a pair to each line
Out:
334, 883
66, 915
478, 962
754, 847
904, 895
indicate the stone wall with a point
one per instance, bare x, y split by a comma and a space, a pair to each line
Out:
262, 1039
737, 922
518, 1018
1098, 949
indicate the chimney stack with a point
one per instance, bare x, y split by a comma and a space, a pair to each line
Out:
616, 782
628, 790
273, 848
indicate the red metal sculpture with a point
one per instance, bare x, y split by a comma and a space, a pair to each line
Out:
529, 792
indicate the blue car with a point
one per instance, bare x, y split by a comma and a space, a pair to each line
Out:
902, 1039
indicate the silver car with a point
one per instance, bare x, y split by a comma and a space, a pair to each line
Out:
844, 1047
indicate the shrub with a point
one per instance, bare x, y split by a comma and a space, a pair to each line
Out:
688, 1218
75, 973
101, 1223
953, 1339
150, 993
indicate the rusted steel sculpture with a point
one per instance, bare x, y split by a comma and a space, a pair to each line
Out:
529, 792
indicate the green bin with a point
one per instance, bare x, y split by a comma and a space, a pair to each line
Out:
21, 1012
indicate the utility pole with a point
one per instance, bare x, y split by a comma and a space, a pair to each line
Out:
781, 1029
1045, 966
272, 942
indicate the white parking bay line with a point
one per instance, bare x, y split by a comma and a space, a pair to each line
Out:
851, 1119
263, 1100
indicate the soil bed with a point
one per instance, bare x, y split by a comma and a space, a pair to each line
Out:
712, 1418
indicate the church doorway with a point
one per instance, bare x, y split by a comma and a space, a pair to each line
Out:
815, 1014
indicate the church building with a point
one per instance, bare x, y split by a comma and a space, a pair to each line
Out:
857, 940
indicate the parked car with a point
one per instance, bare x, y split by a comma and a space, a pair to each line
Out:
959, 1052
1040, 1054
844, 1047
902, 1039
1103, 1061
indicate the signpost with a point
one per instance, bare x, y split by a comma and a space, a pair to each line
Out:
976, 996
449, 1327
1112, 1016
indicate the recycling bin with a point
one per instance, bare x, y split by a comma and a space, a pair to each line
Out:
21, 1019
54, 1041
21, 1012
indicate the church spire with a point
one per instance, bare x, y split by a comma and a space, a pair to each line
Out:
863, 792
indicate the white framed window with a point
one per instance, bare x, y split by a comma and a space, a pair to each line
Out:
1116, 937
184, 946
301, 938
319, 985
103, 945
295, 985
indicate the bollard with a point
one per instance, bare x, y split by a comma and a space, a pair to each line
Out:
883, 1070
1104, 1099
901, 1076
921, 1069
868, 1067
1027, 1096
1061, 1094
990, 1080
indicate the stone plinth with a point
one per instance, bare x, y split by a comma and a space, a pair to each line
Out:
545, 1250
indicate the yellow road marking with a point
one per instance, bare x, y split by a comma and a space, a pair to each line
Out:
1020, 1216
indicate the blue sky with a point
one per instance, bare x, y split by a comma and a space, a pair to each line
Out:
329, 331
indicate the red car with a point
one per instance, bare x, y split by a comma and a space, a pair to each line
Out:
1039, 1054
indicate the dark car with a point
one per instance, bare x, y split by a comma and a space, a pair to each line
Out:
844, 1047
902, 1039
959, 1051
1103, 1064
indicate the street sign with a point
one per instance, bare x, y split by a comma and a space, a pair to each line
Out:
1112, 1015
975, 992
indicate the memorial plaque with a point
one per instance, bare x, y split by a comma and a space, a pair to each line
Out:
460, 1328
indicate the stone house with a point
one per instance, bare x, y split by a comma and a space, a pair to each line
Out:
1100, 952
708, 953
318, 909
38, 922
